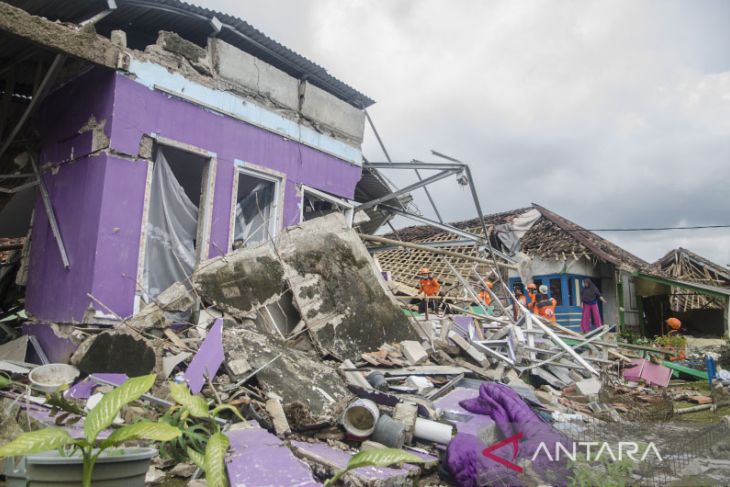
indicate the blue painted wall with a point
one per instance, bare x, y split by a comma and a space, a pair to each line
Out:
565, 288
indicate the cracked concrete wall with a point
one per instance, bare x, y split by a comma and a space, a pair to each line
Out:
335, 114
263, 80
253, 74
340, 296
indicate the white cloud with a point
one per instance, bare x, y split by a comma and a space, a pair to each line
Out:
613, 114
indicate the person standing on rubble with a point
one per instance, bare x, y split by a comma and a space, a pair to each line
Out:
429, 287
519, 298
544, 304
589, 296
484, 295
531, 297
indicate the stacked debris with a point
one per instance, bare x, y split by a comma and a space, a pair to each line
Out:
303, 337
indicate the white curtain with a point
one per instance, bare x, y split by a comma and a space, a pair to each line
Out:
253, 214
171, 230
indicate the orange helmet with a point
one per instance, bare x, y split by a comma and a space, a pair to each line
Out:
674, 323
532, 286
424, 270
489, 284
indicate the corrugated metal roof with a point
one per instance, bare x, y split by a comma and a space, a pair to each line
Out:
147, 17
720, 292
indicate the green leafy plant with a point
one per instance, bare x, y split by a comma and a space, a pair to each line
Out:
676, 342
195, 434
603, 473
378, 457
96, 421
202, 440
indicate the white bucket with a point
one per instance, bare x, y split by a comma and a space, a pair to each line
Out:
50, 377
360, 418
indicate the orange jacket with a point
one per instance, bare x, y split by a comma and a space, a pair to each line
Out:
429, 287
546, 307
485, 297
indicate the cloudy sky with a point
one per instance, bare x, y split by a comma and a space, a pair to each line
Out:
614, 114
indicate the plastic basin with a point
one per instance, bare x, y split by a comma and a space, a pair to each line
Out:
116, 468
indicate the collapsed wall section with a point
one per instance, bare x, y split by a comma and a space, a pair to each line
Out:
339, 295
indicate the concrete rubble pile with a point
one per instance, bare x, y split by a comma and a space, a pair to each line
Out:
304, 337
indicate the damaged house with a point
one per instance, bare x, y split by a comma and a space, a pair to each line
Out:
556, 252
690, 287
142, 138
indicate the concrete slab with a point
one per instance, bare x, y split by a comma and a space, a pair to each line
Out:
589, 387
414, 352
14, 350
259, 458
115, 352
293, 375
333, 113
255, 75
333, 281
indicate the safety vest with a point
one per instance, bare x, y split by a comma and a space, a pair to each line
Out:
430, 286
546, 306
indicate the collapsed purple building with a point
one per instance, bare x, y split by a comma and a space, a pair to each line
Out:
165, 134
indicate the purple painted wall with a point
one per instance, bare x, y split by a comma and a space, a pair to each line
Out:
75, 188
99, 198
230, 139
120, 227
54, 293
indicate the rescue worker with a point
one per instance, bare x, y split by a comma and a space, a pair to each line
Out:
531, 296
429, 287
519, 298
484, 295
544, 304
674, 325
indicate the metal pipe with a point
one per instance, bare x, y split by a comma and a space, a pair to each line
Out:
18, 189
436, 166
407, 189
428, 194
49, 211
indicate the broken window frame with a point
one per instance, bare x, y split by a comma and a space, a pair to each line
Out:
205, 208
347, 208
267, 174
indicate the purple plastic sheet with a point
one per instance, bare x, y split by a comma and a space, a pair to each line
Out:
470, 467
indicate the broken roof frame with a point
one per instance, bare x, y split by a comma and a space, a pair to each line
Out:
457, 168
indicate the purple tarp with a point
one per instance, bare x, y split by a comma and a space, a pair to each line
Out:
470, 467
